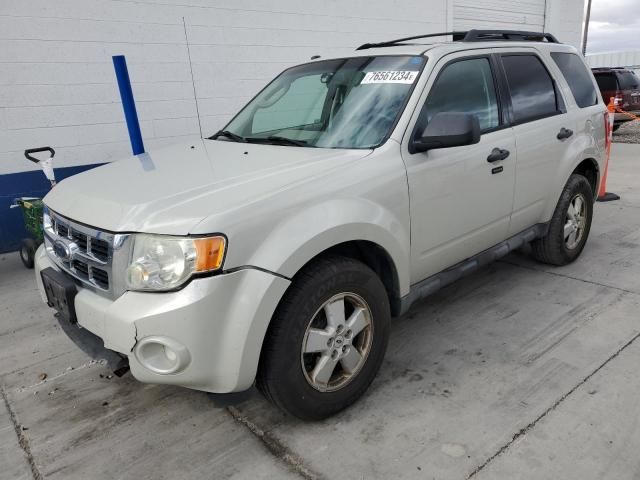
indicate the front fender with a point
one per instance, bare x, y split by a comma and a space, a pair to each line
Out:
310, 231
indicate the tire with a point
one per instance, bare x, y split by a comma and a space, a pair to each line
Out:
28, 252
286, 375
556, 248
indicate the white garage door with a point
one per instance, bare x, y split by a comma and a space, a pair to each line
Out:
492, 14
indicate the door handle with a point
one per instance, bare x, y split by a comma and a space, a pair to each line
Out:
497, 154
564, 133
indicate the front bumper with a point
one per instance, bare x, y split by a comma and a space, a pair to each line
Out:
219, 321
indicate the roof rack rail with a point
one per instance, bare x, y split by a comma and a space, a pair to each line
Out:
611, 68
514, 35
472, 36
456, 37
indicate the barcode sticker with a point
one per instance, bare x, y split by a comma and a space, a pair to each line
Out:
390, 76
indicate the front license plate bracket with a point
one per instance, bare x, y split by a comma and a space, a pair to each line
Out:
61, 292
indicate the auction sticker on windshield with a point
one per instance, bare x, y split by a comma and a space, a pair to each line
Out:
390, 76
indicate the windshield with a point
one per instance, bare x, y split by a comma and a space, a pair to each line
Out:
345, 103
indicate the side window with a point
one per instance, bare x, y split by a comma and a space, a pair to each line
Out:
464, 86
533, 94
577, 76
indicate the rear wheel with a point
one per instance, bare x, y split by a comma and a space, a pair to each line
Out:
326, 340
28, 252
570, 225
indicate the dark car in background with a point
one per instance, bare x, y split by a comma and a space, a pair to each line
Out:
622, 84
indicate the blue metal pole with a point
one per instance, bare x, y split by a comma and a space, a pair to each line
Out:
128, 104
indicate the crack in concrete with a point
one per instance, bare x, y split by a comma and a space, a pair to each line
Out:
29, 365
524, 430
23, 441
591, 282
275, 446
66, 372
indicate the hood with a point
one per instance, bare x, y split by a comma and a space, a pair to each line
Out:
173, 189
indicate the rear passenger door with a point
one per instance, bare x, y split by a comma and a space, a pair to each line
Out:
543, 133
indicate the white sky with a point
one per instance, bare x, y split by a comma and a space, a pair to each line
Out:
614, 26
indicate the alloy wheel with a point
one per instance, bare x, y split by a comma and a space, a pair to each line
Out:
337, 342
576, 221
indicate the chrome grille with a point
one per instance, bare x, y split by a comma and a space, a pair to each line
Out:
100, 249
88, 254
88, 244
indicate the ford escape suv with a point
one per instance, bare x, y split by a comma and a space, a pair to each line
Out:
277, 251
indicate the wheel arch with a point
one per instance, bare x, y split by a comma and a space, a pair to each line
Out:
376, 258
585, 165
589, 169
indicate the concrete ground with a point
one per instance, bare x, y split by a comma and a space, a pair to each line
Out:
522, 371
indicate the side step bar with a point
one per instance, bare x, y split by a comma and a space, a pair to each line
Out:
435, 282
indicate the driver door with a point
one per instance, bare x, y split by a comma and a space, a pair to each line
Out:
460, 201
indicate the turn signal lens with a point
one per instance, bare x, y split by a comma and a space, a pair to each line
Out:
209, 253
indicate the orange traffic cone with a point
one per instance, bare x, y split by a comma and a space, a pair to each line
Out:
603, 195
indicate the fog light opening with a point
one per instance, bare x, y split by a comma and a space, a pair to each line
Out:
162, 355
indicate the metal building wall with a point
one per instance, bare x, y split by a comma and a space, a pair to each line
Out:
616, 59
508, 14
563, 18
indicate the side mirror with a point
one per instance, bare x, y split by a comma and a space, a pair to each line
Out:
448, 129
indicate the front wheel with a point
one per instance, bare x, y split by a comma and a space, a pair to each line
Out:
326, 340
569, 226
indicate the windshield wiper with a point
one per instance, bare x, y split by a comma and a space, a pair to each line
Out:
276, 140
229, 135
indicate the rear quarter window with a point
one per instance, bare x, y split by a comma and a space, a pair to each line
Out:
578, 77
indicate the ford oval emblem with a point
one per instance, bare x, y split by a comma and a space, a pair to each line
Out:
62, 250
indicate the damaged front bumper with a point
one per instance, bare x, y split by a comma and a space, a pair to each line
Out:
206, 336
93, 346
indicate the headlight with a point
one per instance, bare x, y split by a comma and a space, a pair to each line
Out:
162, 263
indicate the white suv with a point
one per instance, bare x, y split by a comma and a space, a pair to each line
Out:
278, 250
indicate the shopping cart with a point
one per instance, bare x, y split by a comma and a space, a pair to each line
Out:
32, 208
